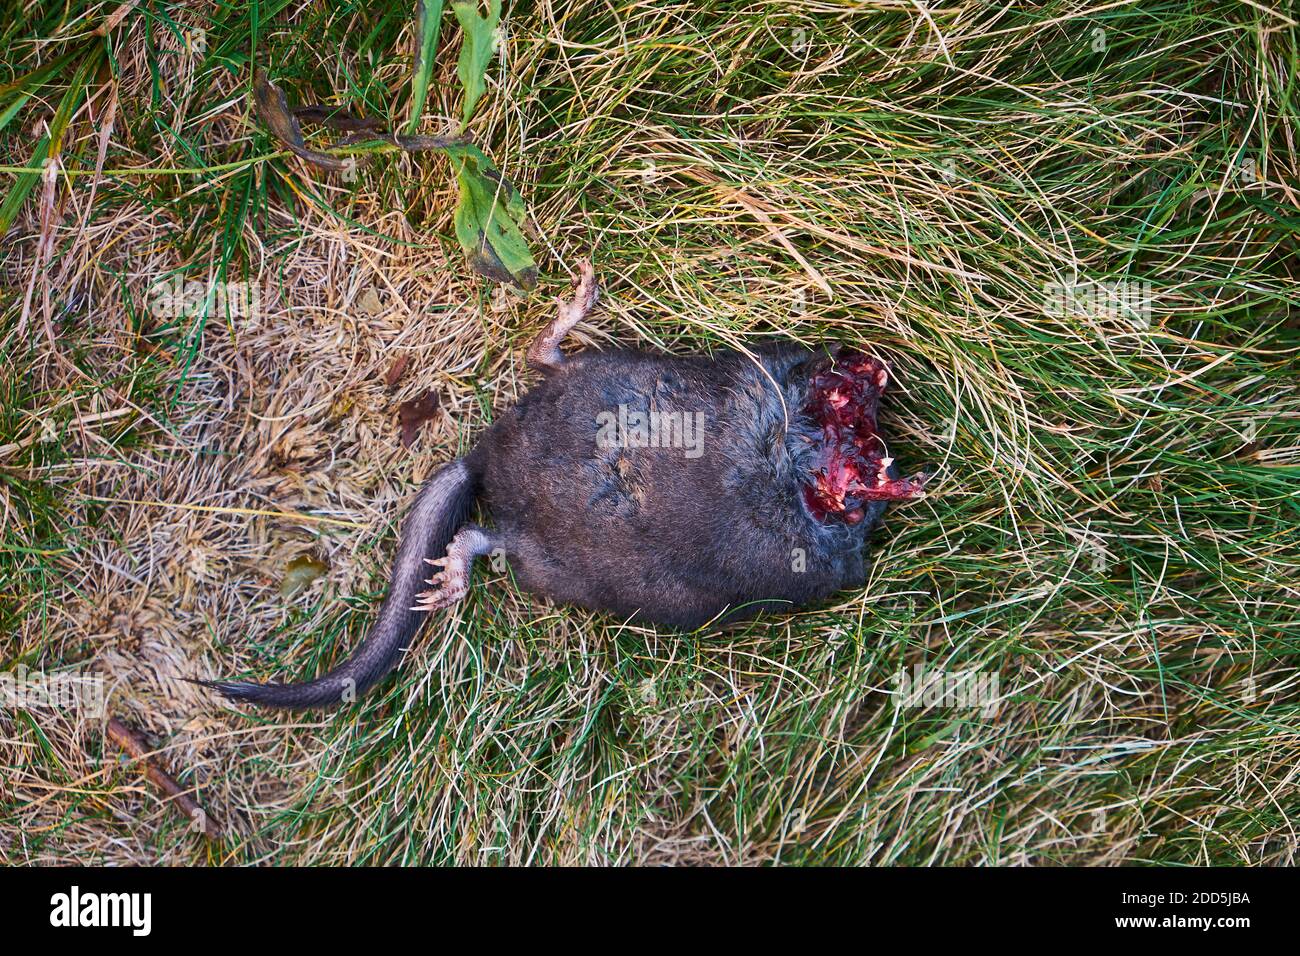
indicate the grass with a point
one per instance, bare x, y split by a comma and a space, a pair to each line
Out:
1113, 530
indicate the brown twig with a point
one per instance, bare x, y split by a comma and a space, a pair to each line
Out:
138, 750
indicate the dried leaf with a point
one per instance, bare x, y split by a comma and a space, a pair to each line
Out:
337, 117
396, 371
273, 108
411, 415
300, 573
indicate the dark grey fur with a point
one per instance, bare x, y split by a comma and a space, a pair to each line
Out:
644, 533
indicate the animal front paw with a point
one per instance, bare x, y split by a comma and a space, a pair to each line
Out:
586, 290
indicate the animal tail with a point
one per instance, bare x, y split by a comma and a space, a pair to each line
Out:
439, 510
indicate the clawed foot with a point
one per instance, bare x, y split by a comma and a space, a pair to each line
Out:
447, 586
585, 293
452, 583
545, 352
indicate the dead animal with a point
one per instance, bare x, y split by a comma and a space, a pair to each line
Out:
679, 490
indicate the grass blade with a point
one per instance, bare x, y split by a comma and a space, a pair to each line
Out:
428, 25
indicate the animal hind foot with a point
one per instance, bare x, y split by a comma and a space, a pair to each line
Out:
452, 583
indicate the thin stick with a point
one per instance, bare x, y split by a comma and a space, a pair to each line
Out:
139, 751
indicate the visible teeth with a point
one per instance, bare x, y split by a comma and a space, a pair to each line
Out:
882, 476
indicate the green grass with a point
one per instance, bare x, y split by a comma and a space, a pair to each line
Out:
1113, 529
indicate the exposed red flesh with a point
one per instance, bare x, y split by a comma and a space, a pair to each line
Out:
851, 466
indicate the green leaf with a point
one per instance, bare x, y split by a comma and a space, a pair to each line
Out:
477, 49
428, 22
489, 218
